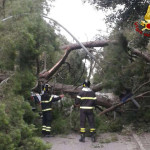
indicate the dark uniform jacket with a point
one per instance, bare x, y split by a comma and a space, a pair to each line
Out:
86, 99
46, 101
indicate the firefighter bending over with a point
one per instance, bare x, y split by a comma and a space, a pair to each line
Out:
87, 101
46, 103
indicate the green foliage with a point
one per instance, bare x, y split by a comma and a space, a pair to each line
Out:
107, 124
114, 74
36, 37
8, 51
124, 16
23, 40
101, 124
116, 125
6, 142
110, 139
23, 82
66, 120
34, 144
61, 117
60, 124
29, 117
4, 120
25, 37
12, 132
120, 68
15, 115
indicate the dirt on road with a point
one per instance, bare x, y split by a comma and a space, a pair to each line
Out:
107, 141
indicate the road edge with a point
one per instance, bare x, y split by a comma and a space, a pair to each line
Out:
138, 141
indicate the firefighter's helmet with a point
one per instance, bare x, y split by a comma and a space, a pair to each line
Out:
86, 83
46, 87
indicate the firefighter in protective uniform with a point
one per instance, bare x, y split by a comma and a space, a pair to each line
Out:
87, 101
46, 104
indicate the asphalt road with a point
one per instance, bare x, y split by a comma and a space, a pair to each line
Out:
107, 141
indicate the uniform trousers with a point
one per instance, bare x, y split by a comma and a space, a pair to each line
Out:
46, 122
86, 113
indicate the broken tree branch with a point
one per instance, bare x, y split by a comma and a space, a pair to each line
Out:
141, 86
90, 44
48, 74
5, 80
120, 104
141, 54
99, 43
52, 71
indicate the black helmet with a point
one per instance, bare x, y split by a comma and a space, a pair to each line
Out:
86, 83
46, 87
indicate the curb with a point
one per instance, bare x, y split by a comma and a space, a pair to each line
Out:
138, 141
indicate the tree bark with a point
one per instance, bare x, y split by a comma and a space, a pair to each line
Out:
48, 74
91, 44
70, 89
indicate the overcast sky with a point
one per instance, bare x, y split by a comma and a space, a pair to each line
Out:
82, 20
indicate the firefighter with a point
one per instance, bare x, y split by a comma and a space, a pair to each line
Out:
46, 103
87, 101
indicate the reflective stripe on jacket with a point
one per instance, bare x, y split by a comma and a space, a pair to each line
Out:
46, 101
86, 98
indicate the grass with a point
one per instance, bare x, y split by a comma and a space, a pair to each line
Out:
112, 138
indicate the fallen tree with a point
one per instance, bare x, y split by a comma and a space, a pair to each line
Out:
68, 48
71, 90
99, 43
46, 75
112, 108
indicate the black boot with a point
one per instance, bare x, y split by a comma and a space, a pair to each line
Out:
93, 137
43, 133
49, 134
82, 139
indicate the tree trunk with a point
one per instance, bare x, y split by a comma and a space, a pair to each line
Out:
71, 90
91, 44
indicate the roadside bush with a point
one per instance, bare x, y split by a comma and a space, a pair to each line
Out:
17, 131
61, 123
